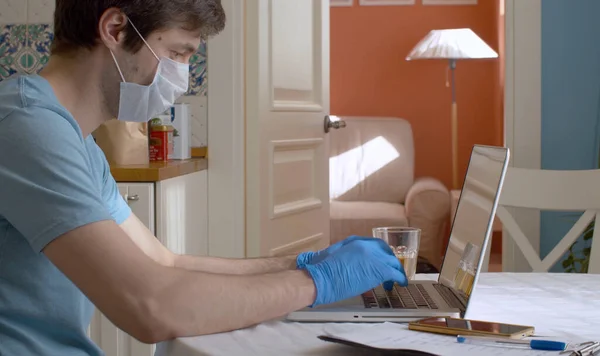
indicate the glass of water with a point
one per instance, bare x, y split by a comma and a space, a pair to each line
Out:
404, 241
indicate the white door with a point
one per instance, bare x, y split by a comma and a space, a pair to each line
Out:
523, 114
287, 99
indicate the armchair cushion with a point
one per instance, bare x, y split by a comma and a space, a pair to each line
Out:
371, 159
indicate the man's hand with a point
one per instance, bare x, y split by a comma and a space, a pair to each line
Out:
356, 267
310, 257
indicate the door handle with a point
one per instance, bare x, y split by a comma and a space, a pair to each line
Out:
133, 198
333, 124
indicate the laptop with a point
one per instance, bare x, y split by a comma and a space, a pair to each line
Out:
449, 296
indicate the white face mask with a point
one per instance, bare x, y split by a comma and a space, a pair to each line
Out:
140, 103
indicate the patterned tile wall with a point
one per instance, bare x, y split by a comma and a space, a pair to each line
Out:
23, 48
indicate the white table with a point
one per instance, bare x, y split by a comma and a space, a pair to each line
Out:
566, 305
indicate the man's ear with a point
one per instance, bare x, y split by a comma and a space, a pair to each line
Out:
111, 28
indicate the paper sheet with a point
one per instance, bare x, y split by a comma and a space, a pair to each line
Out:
390, 336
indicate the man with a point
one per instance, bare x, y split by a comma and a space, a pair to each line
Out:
67, 238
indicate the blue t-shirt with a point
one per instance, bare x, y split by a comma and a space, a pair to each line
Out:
52, 180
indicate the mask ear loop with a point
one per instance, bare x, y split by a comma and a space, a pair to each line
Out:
117, 64
143, 39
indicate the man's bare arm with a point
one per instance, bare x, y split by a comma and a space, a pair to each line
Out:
154, 303
236, 266
148, 243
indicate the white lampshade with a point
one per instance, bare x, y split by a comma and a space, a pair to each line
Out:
461, 43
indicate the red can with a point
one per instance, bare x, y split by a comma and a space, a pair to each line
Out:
161, 142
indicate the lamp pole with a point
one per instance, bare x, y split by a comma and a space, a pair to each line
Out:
454, 123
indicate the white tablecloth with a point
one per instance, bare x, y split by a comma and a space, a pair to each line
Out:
565, 305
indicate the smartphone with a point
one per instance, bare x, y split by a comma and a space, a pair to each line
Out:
454, 326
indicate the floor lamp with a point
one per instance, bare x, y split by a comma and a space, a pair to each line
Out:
452, 45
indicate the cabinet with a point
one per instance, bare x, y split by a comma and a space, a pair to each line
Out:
140, 198
175, 210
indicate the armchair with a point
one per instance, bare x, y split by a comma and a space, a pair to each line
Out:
372, 184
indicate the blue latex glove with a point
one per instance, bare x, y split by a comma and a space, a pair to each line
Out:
310, 257
355, 268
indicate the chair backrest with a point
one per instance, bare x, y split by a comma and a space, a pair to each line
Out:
558, 191
371, 159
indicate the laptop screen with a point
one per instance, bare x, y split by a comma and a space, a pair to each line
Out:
473, 219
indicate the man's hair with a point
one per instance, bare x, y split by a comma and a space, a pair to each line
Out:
76, 21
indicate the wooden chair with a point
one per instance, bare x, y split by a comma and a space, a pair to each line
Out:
555, 191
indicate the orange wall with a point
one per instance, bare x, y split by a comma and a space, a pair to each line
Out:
369, 76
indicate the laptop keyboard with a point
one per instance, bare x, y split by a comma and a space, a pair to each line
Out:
448, 296
413, 296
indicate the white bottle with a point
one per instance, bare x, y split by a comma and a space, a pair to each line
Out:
182, 137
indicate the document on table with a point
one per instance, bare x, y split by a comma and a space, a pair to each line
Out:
390, 336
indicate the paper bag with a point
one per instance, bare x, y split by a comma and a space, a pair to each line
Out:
123, 143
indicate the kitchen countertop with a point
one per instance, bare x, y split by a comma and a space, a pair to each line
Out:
157, 171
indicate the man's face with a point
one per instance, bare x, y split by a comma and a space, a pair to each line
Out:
176, 44
140, 67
